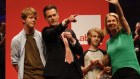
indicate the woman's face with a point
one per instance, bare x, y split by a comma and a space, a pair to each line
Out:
111, 23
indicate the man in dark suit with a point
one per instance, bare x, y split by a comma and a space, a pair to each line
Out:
58, 39
136, 36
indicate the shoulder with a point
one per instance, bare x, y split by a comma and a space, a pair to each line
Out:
17, 38
85, 52
103, 51
83, 55
38, 35
37, 32
46, 28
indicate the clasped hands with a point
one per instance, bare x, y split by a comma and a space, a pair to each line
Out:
96, 63
69, 36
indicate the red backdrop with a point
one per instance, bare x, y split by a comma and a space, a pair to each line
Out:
65, 8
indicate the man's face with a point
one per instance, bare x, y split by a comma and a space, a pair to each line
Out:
30, 21
52, 17
138, 28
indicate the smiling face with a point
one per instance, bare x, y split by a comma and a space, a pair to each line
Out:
112, 23
52, 17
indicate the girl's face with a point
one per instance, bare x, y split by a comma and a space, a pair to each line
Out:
111, 23
95, 39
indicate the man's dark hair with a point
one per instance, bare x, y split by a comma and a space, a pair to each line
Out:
49, 7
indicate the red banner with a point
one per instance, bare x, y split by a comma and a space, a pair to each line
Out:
65, 7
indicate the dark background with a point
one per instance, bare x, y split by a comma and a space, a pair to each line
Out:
2, 10
131, 9
2, 46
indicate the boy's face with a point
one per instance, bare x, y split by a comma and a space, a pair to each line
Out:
95, 39
30, 21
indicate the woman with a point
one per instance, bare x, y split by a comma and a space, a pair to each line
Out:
120, 46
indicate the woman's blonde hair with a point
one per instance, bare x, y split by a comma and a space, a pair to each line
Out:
90, 34
106, 30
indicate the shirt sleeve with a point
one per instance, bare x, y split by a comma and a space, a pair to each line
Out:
15, 51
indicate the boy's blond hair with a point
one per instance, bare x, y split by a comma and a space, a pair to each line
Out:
28, 11
90, 34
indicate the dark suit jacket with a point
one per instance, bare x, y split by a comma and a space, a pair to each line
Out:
55, 50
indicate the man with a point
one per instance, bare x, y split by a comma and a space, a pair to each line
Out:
2, 50
27, 48
59, 42
137, 40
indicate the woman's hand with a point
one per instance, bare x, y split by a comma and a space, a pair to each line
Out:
112, 1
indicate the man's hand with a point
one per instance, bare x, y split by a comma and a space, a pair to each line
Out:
71, 19
69, 36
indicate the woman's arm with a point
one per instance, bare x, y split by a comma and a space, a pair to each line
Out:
122, 19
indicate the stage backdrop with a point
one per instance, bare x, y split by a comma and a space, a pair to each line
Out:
91, 14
